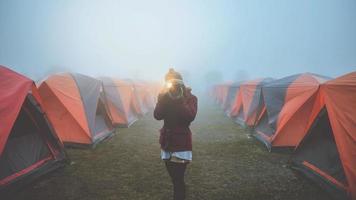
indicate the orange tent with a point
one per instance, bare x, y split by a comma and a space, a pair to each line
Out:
143, 101
327, 154
154, 89
248, 104
218, 94
232, 91
74, 107
289, 103
119, 98
148, 94
221, 93
252, 99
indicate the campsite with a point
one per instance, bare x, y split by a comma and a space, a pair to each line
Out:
182, 100
234, 173
119, 162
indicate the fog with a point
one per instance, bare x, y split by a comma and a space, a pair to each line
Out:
208, 41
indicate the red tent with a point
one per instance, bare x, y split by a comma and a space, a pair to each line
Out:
29, 146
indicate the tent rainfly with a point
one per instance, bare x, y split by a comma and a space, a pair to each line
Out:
327, 155
289, 102
74, 107
29, 146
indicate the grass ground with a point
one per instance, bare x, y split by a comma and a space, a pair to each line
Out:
227, 164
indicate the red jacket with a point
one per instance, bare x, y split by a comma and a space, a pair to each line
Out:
177, 116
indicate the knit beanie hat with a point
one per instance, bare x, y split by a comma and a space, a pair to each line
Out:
173, 75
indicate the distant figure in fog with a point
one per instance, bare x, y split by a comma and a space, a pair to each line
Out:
177, 106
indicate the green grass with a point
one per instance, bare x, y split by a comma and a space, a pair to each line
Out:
227, 164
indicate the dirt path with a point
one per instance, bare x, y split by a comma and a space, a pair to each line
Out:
226, 165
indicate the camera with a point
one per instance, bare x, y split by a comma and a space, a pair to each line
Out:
175, 89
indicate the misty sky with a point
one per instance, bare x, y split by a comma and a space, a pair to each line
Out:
141, 39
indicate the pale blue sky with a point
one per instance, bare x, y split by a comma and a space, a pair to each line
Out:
141, 39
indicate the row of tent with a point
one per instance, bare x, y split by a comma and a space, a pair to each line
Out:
37, 121
312, 115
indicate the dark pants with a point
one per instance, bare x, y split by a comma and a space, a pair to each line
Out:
176, 172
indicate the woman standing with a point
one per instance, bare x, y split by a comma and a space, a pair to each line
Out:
177, 106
